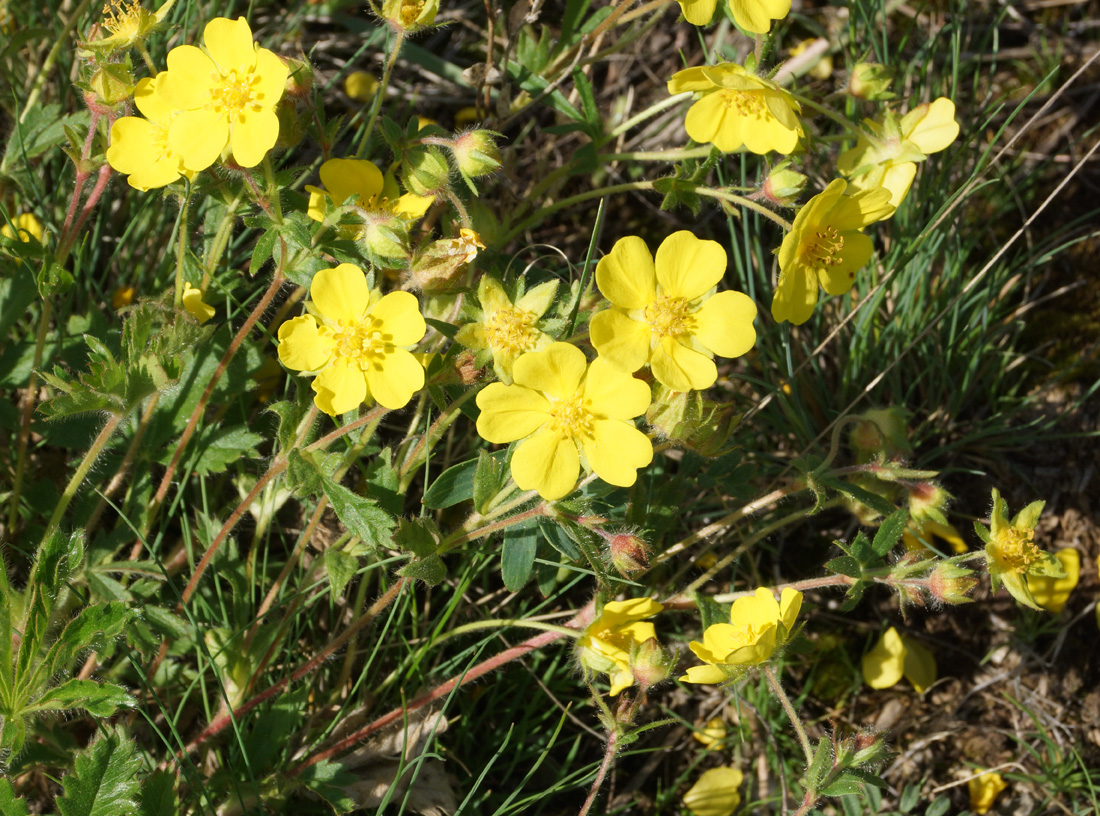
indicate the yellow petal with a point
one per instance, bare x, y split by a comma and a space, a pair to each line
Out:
412, 206
697, 12
189, 78
612, 393
919, 665
252, 135
546, 462
705, 674
935, 130
153, 105
195, 305
706, 121
630, 609
715, 794
229, 43
616, 450
340, 294
340, 387
1052, 593
724, 324
621, 680
984, 790
271, 74
682, 369
538, 300
399, 316
757, 15
134, 151
688, 267
618, 339
626, 275
198, 137
396, 379
345, 178
690, 79
557, 371
884, 664
838, 278
302, 347
795, 295
510, 412
790, 604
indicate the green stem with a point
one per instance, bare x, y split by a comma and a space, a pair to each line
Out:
785, 701
181, 249
741, 201
423, 447
63, 42
460, 537
221, 239
272, 189
503, 623
380, 94
28, 410
659, 155
649, 112
100, 442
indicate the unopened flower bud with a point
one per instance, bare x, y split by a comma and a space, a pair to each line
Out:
784, 185
651, 664
467, 368
871, 81
629, 554
869, 748
927, 501
476, 154
951, 583
112, 84
425, 171
361, 86
299, 80
387, 236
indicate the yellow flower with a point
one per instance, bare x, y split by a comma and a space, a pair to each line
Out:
567, 413
737, 108
1012, 556
361, 86
711, 734
895, 655
410, 15
715, 793
122, 296
128, 24
752, 15
225, 95
825, 246
195, 305
24, 227
758, 625
354, 340
139, 147
918, 536
665, 312
508, 329
887, 156
1052, 593
984, 790
609, 643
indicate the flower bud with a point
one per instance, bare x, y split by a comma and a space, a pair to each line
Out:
951, 583
927, 501
712, 734
784, 185
440, 264
869, 749
361, 86
112, 84
871, 81
467, 368
387, 236
629, 553
476, 154
425, 171
650, 664
410, 15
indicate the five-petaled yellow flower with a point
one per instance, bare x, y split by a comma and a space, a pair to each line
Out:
738, 108
139, 147
665, 311
354, 340
887, 155
128, 23
758, 625
608, 644
825, 247
1012, 556
567, 412
508, 329
895, 655
752, 15
225, 95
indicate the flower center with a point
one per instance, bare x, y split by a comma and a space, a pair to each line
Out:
748, 635
1016, 549
363, 342
744, 103
824, 247
511, 330
410, 11
123, 18
234, 94
670, 317
571, 417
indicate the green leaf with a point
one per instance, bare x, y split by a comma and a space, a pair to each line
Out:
710, 611
12, 735
940, 805
221, 446
431, 570
845, 565
340, 566
10, 804
454, 485
872, 500
554, 534
421, 538
103, 781
328, 780
517, 557
92, 627
98, 699
850, 782
910, 796
889, 532
362, 516
593, 118
261, 253
821, 765
158, 795
489, 478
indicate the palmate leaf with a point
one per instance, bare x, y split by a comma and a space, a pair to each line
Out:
93, 626
10, 804
104, 780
